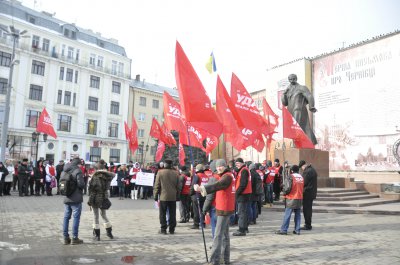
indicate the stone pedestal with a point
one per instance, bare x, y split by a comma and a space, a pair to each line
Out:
317, 158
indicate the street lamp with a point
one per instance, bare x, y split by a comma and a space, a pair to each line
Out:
15, 34
35, 138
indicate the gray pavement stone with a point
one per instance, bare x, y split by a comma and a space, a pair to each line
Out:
31, 233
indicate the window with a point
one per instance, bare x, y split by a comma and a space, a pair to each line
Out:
93, 103
153, 150
91, 127
5, 59
116, 87
66, 32
32, 117
3, 85
142, 116
35, 41
156, 103
37, 67
61, 73
76, 77
70, 74
95, 154
74, 100
67, 98
35, 92
92, 59
75, 147
100, 60
45, 45
114, 155
113, 129
142, 101
114, 108
70, 53
94, 81
114, 68
64, 123
120, 69
140, 133
59, 96
77, 54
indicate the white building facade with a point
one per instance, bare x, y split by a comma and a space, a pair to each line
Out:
80, 77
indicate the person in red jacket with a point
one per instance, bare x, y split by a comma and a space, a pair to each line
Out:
225, 207
293, 192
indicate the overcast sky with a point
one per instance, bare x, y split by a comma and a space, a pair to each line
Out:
246, 36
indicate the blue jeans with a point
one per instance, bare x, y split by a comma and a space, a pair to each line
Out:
269, 193
74, 210
286, 219
213, 218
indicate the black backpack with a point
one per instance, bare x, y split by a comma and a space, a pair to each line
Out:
68, 184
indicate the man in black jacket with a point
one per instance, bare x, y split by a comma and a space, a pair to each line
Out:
73, 203
243, 195
23, 175
309, 192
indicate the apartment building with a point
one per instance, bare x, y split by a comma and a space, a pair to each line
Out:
146, 103
80, 77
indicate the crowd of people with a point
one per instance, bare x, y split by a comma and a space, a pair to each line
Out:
226, 194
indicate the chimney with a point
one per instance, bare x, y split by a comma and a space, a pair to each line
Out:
137, 78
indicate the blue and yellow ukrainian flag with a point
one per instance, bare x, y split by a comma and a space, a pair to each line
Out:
210, 65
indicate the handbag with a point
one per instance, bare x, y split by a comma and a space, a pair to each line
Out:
105, 204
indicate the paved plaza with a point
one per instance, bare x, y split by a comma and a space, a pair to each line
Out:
31, 234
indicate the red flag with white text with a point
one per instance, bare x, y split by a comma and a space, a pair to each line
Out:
181, 155
196, 105
45, 125
246, 108
173, 119
160, 150
292, 130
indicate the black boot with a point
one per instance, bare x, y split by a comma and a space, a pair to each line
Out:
96, 234
109, 234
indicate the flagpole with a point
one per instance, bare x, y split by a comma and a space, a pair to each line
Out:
197, 194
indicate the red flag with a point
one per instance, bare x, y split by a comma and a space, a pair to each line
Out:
258, 143
172, 114
246, 108
166, 136
211, 143
196, 137
181, 155
127, 131
155, 130
196, 105
160, 150
133, 142
45, 125
229, 116
292, 130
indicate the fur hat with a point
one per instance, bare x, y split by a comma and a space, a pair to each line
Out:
302, 163
200, 167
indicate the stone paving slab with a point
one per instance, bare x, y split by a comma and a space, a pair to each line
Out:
31, 233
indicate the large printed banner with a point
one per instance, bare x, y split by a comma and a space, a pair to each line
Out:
357, 94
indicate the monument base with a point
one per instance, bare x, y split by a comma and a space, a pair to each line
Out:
317, 158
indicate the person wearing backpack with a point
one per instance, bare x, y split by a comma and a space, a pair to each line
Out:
98, 191
73, 201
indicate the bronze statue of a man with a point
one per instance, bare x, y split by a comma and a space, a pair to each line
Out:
296, 97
